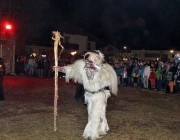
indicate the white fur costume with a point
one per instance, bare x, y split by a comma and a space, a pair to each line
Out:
95, 81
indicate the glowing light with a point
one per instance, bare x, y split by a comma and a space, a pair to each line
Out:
125, 49
8, 27
73, 53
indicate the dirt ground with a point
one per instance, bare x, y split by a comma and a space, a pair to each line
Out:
135, 114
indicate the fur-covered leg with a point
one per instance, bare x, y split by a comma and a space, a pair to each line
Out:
95, 107
103, 124
89, 103
89, 138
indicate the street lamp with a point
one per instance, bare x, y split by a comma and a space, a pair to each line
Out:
126, 50
172, 53
8, 27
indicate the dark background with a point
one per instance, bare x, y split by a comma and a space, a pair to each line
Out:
138, 24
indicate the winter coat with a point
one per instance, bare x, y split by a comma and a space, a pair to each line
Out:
141, 70
177, 75
40, 64
159, 74
147, 71
129, 71
119, 71
173, 69
135, 72
152, 74
32, 62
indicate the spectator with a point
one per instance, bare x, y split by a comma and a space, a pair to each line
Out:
159, 74
17, 66
46, 66
35, 67
177, 77
155, 65
124, 76
135, 75
173, 69
153, 77
26, 68
32, 64
140, 78
119, 71
167, 76
40, 66
148, 62
1, 79
146, 75
129, 74
21, 66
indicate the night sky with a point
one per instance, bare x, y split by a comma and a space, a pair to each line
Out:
138, 24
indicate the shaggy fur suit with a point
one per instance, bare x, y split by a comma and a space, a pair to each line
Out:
95, 83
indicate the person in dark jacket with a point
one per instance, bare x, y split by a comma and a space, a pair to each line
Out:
129, 74
177, 77
1, 79
173, 69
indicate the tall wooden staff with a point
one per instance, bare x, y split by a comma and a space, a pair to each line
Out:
56, 37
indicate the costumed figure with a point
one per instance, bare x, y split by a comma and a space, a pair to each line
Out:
96, 76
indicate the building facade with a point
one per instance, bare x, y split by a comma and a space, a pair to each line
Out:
71, 43
83, 42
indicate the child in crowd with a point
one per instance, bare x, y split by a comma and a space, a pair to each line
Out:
129, 74
177, 77
153, 77
159, 73
140, 77
146, 75
124, 76
135, 74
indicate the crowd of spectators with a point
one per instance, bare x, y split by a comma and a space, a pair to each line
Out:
38, 66
148, 74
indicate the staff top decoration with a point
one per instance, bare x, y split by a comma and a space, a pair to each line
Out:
57, 40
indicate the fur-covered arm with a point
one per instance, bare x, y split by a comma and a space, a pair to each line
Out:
113, 84
105, 76
74, 71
